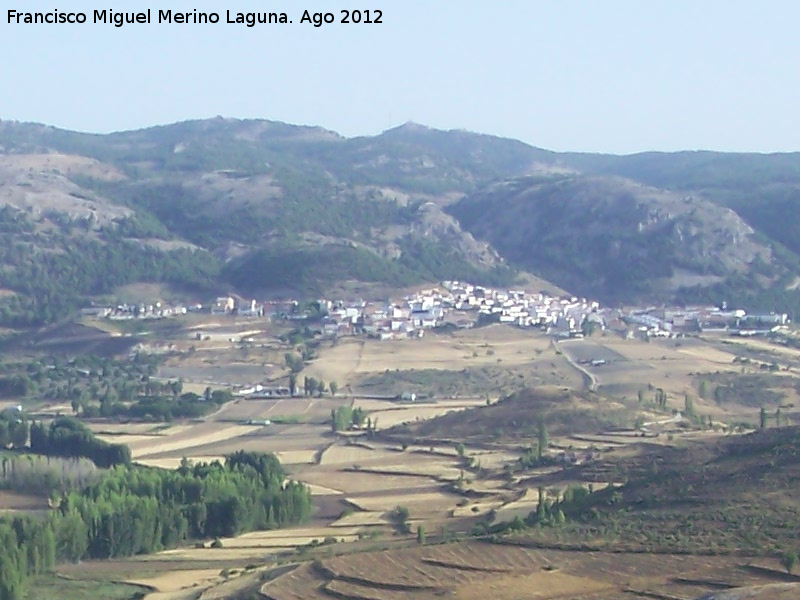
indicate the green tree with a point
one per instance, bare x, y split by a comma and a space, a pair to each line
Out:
421, 535
703, 389
358, 417
342, 418
18, 432
542, 507
334, 387
688, 407
399, 517
309, 385
5, 436
293, 362
13, 567
789, 560
320, 388
221, 396
543, 438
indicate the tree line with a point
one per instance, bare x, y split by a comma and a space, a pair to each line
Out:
81, 379
67, 437
161, 408
137, 510
101, 387
46, 475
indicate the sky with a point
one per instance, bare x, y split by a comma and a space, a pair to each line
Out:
595, 76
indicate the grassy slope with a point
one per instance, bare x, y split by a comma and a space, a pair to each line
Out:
517, 417
737, 494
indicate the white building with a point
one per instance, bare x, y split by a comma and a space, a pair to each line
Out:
222, 306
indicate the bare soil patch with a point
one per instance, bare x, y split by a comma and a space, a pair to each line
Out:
178, 580
16, 502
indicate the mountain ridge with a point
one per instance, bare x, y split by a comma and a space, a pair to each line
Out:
414, 203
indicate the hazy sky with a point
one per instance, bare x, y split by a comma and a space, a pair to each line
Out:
607, 76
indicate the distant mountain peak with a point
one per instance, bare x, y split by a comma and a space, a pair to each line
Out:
409, 127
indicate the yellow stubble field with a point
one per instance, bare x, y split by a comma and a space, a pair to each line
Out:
354, 357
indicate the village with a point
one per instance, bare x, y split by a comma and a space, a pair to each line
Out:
457, 304
462, 305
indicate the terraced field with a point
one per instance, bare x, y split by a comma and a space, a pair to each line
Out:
480, 570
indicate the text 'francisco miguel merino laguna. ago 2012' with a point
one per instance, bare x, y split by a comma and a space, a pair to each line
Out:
249, 19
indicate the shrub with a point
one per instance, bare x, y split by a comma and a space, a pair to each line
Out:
789, 560
399, 517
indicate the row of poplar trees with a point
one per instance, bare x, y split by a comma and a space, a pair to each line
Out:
135, 510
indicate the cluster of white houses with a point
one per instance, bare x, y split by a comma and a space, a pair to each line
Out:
122, 312
460, 305
463, 305
225, 305
454, 303
521, 308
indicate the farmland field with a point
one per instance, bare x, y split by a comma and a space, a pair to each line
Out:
479, 570
497, 356
451, 459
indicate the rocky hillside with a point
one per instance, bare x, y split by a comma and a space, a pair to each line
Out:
258, 206
678, 497
615, 238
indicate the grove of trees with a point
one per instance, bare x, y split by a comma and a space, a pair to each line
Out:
346, 416
67, 437
103, 387
136, 510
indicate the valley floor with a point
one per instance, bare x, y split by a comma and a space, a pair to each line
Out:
358, 480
